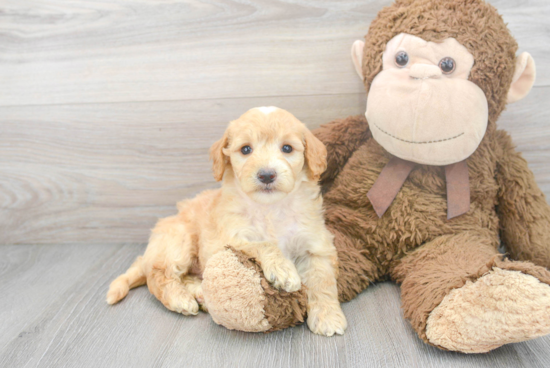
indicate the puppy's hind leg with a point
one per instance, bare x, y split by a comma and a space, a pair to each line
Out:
167, 261
172, 292
119, 288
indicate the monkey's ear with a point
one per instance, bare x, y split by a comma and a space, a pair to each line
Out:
219, 159
524, 77
357, 57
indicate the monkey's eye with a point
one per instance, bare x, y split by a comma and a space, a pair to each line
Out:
447, 65
286, 148
401, 59
245, 150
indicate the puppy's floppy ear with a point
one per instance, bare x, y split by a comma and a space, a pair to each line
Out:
316, 156
219, 160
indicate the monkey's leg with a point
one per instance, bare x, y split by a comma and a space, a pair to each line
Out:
459, 294
355, 270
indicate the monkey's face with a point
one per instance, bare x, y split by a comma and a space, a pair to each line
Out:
421, 107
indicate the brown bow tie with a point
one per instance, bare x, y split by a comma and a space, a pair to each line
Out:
394, 174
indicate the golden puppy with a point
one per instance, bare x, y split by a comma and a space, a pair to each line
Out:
269, 207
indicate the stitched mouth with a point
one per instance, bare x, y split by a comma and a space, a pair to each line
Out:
416, 142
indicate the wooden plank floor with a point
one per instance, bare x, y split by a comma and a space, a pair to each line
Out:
54, 314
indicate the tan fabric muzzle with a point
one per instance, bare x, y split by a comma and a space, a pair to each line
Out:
420, 114
431, 121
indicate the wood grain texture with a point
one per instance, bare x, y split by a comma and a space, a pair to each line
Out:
104, 173
97, 51
54, 315
108, 108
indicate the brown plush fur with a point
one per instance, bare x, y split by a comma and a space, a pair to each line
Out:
414, 243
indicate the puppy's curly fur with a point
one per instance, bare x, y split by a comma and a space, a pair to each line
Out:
279, 222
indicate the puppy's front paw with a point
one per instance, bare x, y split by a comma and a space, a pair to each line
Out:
283, 275
327, 320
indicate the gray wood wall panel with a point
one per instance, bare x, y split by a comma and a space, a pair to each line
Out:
104, 173
108, 108
106, 51
61, 321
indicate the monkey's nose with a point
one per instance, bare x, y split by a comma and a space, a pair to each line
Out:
424, 71
267, 176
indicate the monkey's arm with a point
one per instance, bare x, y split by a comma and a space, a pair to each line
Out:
342, 137
522, 208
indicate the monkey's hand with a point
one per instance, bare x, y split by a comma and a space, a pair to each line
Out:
341, 137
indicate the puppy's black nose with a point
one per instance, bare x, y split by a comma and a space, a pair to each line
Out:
267, 176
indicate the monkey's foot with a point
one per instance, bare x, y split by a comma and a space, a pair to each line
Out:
500, 307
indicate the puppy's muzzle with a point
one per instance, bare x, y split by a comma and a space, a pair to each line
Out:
267, 176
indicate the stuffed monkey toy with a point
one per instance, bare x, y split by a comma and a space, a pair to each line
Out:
424, 188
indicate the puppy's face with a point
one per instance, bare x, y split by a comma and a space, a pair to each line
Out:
270, 153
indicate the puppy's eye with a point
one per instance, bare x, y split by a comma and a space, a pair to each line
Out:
286, 148
245, 150
401, 59
447, 65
